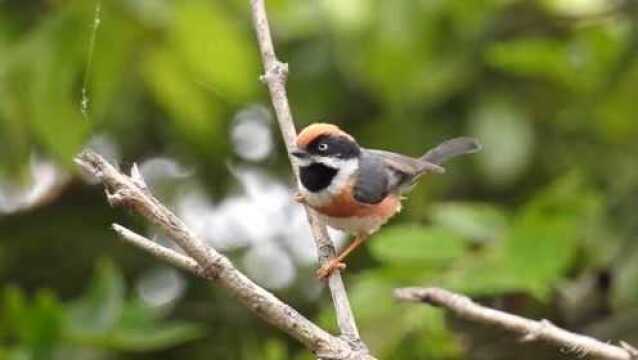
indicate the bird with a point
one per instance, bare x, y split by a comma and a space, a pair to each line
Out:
356, 189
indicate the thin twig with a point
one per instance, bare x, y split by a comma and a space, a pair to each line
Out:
161, 252
275, 74
529, 330
131, 192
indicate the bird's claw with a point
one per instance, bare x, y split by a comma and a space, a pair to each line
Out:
328, 268
299, 197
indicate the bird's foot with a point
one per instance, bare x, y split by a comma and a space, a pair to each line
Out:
299, 197
328, 268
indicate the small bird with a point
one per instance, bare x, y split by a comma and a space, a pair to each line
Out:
357, 190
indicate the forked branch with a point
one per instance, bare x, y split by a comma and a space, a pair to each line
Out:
131, 192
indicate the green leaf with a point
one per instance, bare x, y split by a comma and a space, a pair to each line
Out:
482, 275
43, 92
44, 322
625, 284
137, 314
616, 111
36, 326
409, 243
539, 249
151, 338
274, 349
376, 309
14, 308
100, 309
544, 238
482, 222
16, 353
194, 113
427, 336
103, 319
397, 56
113, 64
531, 56
220, 53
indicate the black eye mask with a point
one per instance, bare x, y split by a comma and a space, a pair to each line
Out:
334, 146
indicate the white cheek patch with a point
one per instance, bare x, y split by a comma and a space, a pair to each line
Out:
302, 162
337, 163
347, 169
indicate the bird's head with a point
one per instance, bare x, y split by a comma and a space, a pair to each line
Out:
325, 144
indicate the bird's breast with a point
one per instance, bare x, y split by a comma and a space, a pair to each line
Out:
340, 210
346, 214
345, 205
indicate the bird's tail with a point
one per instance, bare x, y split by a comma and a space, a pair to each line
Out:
450, 149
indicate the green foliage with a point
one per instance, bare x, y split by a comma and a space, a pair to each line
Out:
478, 222
40, 94
537, 249
101, 307
531, 254
233, 75
193, 90
400, 327
35, 327
413, 244
102, 319
541, 221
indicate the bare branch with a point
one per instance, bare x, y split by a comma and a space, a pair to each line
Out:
131, 192
163, 253
529, 330
275, 74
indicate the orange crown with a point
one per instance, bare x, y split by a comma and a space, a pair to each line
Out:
313, 131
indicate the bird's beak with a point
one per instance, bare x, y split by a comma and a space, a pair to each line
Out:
299, 154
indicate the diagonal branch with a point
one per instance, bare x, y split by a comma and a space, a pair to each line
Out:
131, 192
275, 73
530, 330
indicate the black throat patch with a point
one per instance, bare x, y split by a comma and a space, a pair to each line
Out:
316, 177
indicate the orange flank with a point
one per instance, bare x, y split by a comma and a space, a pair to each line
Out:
346, 206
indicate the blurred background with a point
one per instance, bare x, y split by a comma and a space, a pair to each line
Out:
542, 223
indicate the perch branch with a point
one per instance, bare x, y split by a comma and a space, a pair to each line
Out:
275, 74
131, 192
530, 330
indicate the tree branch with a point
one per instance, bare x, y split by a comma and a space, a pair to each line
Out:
530, 330
132, 192
161, 252
275, 74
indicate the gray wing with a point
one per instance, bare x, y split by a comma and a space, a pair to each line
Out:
401, 170
402, 163
372, 182
383, 172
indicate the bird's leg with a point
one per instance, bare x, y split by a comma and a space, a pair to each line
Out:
299, 197
337, 263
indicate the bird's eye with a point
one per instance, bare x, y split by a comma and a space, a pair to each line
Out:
323, 147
